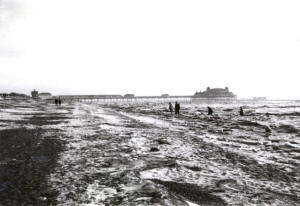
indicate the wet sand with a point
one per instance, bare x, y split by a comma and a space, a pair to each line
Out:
89, 154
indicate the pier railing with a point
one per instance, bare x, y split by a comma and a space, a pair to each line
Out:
118, 98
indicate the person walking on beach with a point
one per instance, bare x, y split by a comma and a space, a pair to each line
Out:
56, 101
209, 110
59, 101
177, 108
241, 111
171, 107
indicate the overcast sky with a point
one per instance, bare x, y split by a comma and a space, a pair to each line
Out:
150, 47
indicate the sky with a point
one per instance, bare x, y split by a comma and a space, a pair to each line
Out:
150, 47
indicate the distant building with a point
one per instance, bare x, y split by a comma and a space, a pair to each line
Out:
14, 95
45, 95
129, 96
215, 93
165, 95
35, 94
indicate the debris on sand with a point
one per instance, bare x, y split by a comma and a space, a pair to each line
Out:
154, 149
192, 192
135, 154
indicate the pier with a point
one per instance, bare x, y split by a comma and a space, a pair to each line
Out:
119, 98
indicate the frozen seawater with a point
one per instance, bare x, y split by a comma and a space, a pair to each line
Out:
141, 155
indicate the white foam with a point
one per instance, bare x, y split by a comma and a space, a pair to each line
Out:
99, 193
111, 119
191, 204
149, 120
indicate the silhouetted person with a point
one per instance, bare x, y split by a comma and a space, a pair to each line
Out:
241, 111
177, 108
56, 101
59, 101
209, 110
171, 107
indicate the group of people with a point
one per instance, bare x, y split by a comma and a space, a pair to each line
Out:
209, 109
57, 101
177, 108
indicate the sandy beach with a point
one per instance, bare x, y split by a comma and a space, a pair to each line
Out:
139, 154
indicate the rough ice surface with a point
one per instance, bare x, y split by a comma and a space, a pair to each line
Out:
127, 154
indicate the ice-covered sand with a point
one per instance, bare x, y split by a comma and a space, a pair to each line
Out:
141, 155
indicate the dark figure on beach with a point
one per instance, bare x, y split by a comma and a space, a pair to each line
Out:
241, 111
177, 108
171, 107
56, 101
59, 101
210, 111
